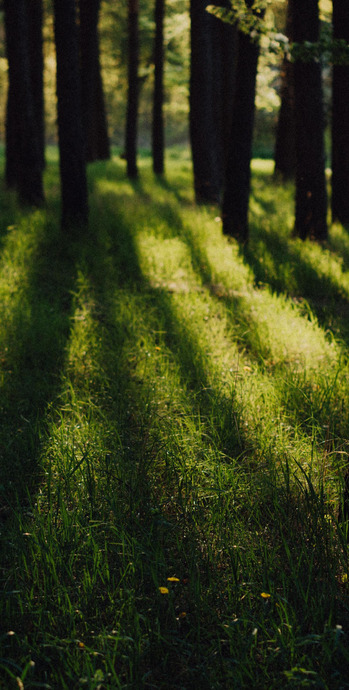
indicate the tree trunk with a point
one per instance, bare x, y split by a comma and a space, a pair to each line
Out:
237, 178
158, 140
285, 145
311, 197
36, 58
93, 108
133, 89
225, 45
203, 128
23, 157
70, 128
340, 120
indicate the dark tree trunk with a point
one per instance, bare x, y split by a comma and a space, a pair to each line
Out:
158, 140
23, 158
225, 44
36, 57
311, 196
237, 178
340, 120
203, 128
285, 145
133, 89
93, 108
70, 128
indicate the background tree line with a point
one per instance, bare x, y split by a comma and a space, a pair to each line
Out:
218, 66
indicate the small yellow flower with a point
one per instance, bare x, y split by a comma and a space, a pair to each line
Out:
345, 577
265, 595
163, 590
173, 579
182, 615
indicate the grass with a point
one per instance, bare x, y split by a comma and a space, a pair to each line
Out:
173, 443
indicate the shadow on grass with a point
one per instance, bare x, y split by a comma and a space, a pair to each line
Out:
37, 329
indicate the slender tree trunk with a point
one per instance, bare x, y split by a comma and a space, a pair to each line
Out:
133, 89
93, 108
36, 58
70, 127
23, 157
203, 128
285, 145
225, 45
311, 196
238, 175
340, 119
158, 139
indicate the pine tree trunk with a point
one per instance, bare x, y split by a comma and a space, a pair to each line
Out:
158, 140
340, 120
23, 156
133, 89
70, 127
36, 58
238, 175
203, 128
285, 145
93, 108
311, 196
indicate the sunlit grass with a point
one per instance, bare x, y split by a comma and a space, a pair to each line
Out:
186, 419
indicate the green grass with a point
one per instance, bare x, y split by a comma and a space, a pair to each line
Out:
174, 414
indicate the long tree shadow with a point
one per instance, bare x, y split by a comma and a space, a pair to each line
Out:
36, 329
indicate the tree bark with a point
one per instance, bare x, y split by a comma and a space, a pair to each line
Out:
340, 120
285, 145
23, 157
203, 128
70, 127
93, 107
36, 59
238, 174
133, 89
158, 138
311, 196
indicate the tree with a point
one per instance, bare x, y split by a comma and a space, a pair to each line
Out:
158, 98
311, 196
36, 61
285, 144
203, 128
237, 177
24, 156
340, 119
133, 89
70, 127
93, 108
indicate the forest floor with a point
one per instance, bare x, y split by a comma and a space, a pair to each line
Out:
173, 443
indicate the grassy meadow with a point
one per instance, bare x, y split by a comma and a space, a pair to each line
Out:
174, 441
